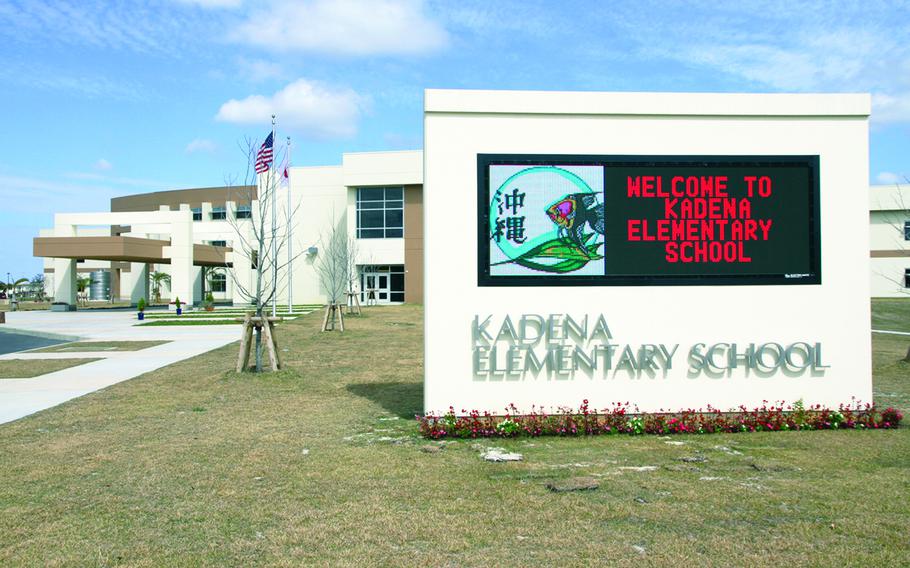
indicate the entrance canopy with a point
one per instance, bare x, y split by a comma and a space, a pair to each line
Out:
128, 249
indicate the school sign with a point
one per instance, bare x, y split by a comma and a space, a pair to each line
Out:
670, 250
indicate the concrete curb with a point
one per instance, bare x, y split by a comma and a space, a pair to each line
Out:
42, 334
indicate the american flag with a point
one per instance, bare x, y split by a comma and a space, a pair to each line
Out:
264, 157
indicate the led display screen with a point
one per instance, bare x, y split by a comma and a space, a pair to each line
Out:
635, 220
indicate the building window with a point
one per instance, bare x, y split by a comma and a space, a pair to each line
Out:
907, 230
380, 212
219, 243
219, 282
219, 214
197, 213
244, 212
907, 278
254, 259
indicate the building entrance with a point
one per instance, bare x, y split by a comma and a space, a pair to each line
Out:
381, 284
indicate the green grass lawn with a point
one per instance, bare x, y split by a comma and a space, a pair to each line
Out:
194, 465
78, 346
891, 314
29, 368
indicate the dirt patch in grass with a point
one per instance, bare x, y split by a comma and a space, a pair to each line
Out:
80, 346
29, 368
321, 465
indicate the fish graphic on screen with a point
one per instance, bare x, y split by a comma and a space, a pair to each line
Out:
573, 212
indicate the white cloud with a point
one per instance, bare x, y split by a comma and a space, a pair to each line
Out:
346, 27
314, 109
201, 145
53, 78
802, 47
103, 165
888, 178
121, 26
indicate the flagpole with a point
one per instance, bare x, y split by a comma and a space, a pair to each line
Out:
272, 191
287, 167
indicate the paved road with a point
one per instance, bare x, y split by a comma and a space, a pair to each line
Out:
21, 397
10, 342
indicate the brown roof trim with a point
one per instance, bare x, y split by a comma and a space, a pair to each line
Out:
890, 253
217, 196
124, 249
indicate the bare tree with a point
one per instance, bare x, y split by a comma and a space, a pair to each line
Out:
337, 264
336, 256
258, 240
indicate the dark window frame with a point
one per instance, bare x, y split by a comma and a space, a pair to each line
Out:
219, 282
370, 204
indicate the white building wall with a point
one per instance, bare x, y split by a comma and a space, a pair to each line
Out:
383, 168
889, 208
319, 199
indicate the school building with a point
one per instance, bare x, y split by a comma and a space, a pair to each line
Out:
196, 235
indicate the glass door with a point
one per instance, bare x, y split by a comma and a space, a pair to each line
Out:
374, 288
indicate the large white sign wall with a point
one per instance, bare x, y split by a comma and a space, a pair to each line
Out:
667, 250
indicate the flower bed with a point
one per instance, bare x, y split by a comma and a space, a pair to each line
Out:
622, 418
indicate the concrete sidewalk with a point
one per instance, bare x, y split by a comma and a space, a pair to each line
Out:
21, 397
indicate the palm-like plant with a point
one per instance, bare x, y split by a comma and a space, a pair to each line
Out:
82, 284
14, 287
158, 278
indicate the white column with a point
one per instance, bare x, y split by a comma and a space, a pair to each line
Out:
182, 259
138, 283
65, 270
65, 280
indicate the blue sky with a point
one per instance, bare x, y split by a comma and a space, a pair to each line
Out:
101, 100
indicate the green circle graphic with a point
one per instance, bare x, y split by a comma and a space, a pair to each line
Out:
514, 250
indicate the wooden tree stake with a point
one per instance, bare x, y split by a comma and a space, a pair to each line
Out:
246, 337
270, 343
